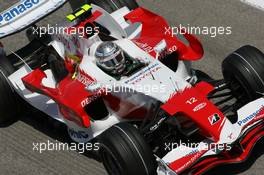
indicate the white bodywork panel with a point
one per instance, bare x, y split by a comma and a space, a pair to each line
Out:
24, 13
112, 25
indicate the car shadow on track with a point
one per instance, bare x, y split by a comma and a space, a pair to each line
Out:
50, 127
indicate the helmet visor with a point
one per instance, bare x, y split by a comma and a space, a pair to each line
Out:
113, 61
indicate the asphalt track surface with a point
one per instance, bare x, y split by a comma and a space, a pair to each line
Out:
16, 141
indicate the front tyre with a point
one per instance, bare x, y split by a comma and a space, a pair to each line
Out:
124, 151
10, 102
244, 72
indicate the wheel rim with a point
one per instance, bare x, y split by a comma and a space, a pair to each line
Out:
110, 163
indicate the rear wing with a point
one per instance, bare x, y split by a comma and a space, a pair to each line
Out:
25, 13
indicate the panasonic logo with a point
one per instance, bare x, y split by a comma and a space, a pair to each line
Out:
250, 117
18, 10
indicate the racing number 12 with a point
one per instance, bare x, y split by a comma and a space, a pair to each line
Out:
191, 101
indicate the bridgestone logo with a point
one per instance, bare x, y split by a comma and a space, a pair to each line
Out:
214, 119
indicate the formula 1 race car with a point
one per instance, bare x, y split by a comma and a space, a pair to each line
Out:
112, 74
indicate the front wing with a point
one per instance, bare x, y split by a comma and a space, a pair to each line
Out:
227, 142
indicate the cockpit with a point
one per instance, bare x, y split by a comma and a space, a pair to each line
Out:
115, 61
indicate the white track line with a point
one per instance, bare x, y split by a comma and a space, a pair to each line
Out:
255, 3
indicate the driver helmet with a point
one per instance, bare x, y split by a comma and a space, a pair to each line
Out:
110, 57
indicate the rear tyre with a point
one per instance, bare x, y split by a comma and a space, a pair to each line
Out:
243, 70
5, 63
124, 152
10, 102
113, 5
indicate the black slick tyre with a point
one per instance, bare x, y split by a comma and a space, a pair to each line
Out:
124, 151
243, 70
